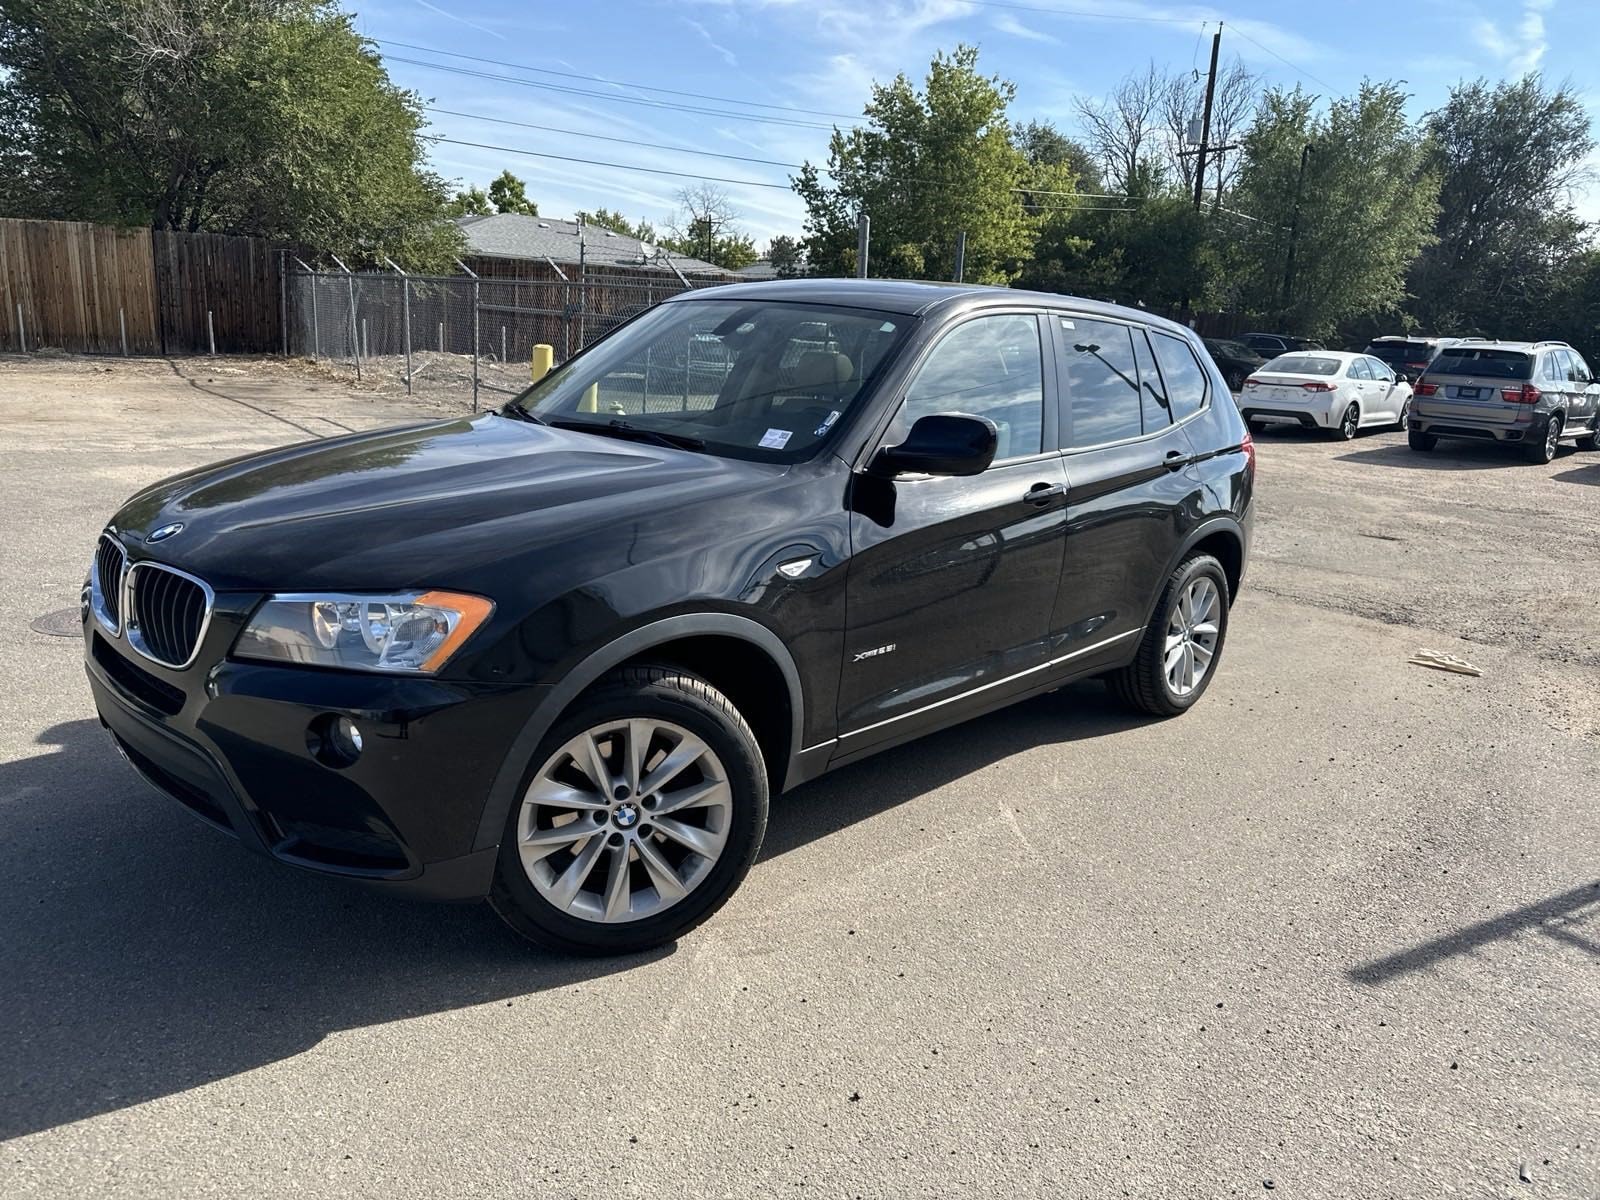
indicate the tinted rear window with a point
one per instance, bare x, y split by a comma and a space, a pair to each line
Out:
1401, 352
1490, 364
1301, 364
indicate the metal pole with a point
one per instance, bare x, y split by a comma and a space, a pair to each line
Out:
283, 299
122, 320
475, 330
366, 346
405, 311
1205, 122
961, 256
583, 287
355, 337
316, 325
863, 244
1294, 231
211, 334
441, 337
22, 331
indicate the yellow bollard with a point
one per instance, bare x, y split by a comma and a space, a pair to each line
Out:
544, 360
591, 399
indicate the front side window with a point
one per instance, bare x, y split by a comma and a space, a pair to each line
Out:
755, 379
1101, 381
987, 367
1182, 374
1580, 369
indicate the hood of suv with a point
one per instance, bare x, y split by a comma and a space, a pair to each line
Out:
416, 506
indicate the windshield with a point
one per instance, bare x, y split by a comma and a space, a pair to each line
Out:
1401, 353
1491, 364
1302, 364
761, 380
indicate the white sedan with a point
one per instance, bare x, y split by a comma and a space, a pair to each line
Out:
1333, 390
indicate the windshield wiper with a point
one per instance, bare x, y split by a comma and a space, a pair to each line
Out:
616, 427
516, 412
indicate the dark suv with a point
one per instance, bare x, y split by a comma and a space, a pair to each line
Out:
561, 655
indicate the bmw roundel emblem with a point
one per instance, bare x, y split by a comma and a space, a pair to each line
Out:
166, 531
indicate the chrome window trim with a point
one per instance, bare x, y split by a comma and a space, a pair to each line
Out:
132, 628
96, 587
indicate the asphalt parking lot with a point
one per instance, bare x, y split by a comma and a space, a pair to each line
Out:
1334, 933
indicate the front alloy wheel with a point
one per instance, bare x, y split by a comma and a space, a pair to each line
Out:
644, 812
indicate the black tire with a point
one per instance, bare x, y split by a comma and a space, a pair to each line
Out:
665, 693
1421, 441
1142, 684
1255, 427
1543, 449
1235, 381
1591, 441
1405, 415
1348, 423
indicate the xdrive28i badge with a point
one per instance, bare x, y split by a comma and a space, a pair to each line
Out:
166, 531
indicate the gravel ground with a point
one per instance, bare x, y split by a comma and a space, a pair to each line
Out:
1334, 933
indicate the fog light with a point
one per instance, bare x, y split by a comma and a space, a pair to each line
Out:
334, 741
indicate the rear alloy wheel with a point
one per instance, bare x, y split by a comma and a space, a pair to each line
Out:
1544, 449
644, 812
1405, 413
1418, 440
1178, 654
1236, 382
1591, 441
1348, 424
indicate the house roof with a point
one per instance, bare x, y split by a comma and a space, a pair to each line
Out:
762, 268
513, 235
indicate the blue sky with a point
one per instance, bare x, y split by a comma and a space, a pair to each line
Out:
822, 55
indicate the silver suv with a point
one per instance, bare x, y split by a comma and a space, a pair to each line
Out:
1532, 394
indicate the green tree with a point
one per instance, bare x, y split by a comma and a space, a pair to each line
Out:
1043, 145
926, 166
618, 223
1365, 209
266, 117
1507, 156
469, 202
787, 256
509, 194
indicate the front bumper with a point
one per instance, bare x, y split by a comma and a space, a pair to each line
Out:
229, 740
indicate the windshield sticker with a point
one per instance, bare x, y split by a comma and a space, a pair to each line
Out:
774, 439
1066, 324
826, 425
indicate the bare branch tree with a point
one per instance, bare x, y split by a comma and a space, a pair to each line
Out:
1121, 130
1183, 97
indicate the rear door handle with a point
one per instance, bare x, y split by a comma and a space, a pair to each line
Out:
1176, 460
1041, 493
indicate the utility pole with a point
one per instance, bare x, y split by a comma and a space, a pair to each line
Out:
1294, 230
1205, 121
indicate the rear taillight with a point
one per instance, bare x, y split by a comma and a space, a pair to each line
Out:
1425, 389
1316, 385
1416, 366
1249, 448
1526, 394
1252, 381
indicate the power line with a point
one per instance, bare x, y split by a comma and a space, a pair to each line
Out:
660, 104
1293, 66
638, 87
771, 162
600, 137
594, 162
1074, 12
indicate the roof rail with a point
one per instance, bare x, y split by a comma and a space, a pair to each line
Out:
1552, 342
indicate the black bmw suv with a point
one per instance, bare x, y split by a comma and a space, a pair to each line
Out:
561, 655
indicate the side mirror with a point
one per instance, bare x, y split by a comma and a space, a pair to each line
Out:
942, 444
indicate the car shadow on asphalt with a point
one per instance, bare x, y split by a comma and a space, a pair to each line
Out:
889, 779
146, 955
1589, 474
1469, 456
1557, 917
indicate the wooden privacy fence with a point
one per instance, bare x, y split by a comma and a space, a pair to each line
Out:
95, 289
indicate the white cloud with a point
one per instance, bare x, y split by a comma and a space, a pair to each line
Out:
727, 55
1005, 23
1520, 44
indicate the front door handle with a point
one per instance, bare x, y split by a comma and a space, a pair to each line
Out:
1041, 493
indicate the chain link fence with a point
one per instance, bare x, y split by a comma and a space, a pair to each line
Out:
456, 338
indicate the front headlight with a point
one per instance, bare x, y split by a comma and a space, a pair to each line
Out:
413, 632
